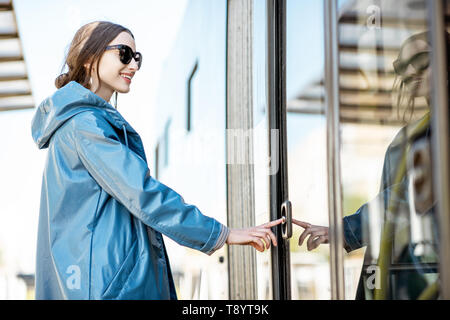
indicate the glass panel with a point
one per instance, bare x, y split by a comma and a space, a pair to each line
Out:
306, 136
390, 223
260, 143
194, 163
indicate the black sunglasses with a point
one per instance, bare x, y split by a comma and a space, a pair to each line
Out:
419, 61
126, 54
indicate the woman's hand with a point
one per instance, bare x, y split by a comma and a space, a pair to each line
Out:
317, 234
257, 237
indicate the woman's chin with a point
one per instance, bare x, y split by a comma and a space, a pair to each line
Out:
123, 89
419, 89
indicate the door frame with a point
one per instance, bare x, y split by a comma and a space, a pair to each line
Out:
332, 112
278, 182
440, 142
276, 24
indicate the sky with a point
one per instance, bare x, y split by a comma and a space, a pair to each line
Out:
46, 28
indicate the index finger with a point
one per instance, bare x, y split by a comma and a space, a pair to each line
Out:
301, 223
273, 223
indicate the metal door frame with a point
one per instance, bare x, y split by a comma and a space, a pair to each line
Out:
276, 24
333, 149
440, 141
278, 182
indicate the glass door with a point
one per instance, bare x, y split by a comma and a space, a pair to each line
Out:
358, 91
391, 223
307, 144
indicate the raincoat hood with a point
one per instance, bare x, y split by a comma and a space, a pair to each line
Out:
67, 102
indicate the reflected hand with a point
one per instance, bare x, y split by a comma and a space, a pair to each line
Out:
258, 237
317, 234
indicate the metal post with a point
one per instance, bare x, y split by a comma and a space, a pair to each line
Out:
440, 138
333, 150
240, 176
276, 73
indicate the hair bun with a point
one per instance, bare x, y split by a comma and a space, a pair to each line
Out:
62, 80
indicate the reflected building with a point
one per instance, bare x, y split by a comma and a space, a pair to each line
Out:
190, 152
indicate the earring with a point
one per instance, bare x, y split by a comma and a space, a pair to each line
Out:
115, 101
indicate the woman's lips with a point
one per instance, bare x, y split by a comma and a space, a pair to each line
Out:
126, 79
126, 76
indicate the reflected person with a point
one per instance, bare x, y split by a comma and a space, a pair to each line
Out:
413, 78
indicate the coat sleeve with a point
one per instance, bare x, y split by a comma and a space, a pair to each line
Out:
125, 176
357, 226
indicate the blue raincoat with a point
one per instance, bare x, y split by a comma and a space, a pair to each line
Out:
102, 214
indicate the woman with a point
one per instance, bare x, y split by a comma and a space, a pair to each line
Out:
102, 214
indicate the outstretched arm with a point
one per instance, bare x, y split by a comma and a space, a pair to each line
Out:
258, 237
317, 234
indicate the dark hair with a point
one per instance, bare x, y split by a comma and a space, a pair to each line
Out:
87, 47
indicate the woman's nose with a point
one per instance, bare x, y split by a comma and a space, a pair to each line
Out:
410, 70
133, 65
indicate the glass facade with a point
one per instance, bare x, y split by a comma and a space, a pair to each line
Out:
385, 76
385, 106
387, 174
261, 145
306, 143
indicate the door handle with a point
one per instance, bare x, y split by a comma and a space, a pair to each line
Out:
286, 213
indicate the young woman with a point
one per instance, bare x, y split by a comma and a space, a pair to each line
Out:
102, 213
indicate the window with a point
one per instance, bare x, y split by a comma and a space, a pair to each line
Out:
157, 161
166, 142
189, 97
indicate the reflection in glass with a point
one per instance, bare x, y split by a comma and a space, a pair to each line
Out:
260, 129
385, 122
306, 136
390, 223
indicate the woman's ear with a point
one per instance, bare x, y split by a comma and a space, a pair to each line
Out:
87, 65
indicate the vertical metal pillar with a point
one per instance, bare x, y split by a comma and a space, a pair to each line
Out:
333, 149
240, 175
276, 72
440, 136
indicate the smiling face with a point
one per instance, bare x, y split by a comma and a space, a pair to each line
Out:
114, 75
